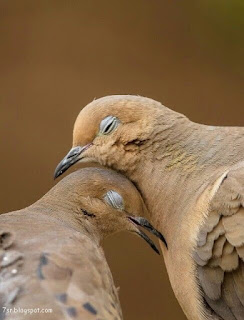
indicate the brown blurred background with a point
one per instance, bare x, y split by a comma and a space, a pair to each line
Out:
56, 56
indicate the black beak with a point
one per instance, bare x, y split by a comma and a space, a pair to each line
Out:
148, 240
142, 222
71, 158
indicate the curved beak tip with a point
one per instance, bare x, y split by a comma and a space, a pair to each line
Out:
71, 158
57, 172
140, 221
149, 241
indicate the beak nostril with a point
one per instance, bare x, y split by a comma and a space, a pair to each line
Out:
74, 152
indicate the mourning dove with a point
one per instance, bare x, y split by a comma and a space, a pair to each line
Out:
191, 177
51, 263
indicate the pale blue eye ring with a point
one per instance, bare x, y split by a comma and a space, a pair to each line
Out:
114, 199
108, 125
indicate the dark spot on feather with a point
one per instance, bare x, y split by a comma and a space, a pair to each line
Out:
113, 305
43, 262
86, 213
62, 297
6, 239
71, 312
89, 308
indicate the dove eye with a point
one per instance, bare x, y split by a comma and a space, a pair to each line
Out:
114, 199
108, 125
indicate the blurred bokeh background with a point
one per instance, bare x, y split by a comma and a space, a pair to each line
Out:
56, 56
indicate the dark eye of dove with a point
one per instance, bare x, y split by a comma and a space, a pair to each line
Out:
114, 199
108, 125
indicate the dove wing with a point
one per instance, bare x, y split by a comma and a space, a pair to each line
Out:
220, 249
46, 265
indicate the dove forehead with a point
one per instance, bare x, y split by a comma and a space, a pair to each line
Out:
127, 108
96, 182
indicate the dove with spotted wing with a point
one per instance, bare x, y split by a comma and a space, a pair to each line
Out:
51, 257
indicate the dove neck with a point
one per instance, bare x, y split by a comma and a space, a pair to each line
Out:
67, 214
181, 162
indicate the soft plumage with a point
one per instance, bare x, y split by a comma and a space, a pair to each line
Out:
50, 252
191, 177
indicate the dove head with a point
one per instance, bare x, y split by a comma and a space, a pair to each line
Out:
113, 131
104, 200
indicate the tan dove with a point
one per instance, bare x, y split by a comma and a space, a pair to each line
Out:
52, 265
191, 177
